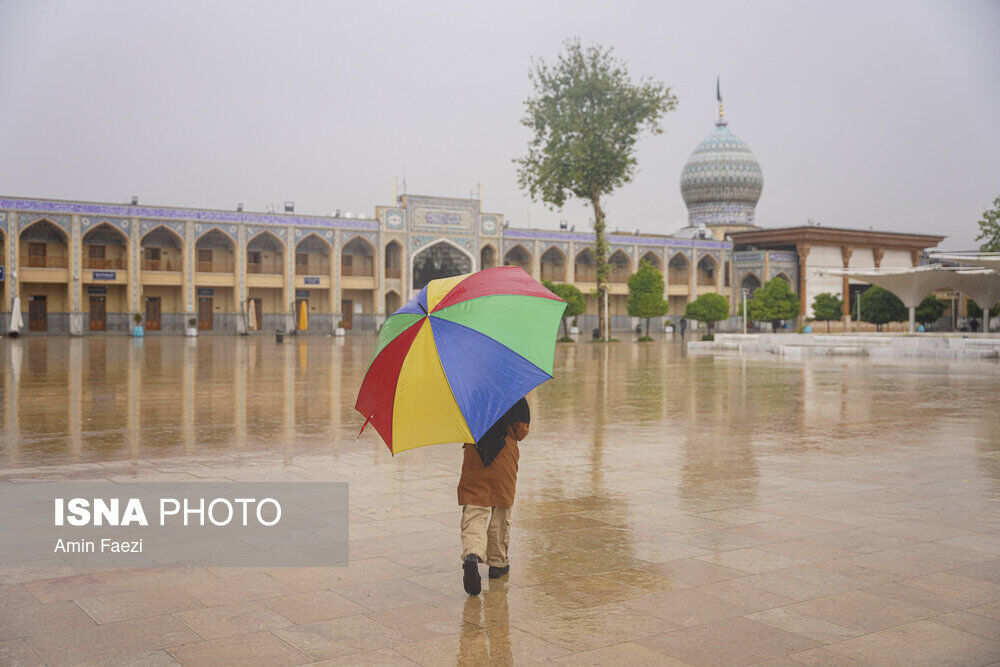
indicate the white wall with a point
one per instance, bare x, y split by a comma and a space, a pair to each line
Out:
823, 257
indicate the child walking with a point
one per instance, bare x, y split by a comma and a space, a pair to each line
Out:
486, 494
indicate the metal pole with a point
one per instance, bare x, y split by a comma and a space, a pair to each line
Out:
744, 292
607, 317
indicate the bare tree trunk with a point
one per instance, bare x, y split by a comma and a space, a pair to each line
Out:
601, 258
647, 327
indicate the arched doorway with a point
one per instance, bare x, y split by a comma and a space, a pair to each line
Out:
518, 256
750, 283
312, 256
679, 270
621, 267
706, 271
393, 260
487, 257
585, 266
554, 265
44, 282
440, 260
214, 253
393, 302
105, 256
163, 299
653, 259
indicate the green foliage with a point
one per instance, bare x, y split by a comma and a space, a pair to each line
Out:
989, 228
138, 318
708, 337
827, 307
645, 339
973, 309
576, 303
880, 306
708, 308
586, 116
773, 302
645, 293
565, 339
930, 309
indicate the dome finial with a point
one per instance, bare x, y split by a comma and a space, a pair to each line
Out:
718, 96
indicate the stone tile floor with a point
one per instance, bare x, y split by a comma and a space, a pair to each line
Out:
847, 565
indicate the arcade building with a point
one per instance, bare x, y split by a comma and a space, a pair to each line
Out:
81, 267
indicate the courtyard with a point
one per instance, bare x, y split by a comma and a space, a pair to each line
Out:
671, 509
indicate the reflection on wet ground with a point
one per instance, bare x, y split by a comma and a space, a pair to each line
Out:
696, 509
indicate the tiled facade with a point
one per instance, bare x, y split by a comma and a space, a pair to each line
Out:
81, 267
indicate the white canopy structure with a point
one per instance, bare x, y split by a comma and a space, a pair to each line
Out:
985, 260
913, 284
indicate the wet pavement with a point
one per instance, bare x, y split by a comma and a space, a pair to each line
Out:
670, 510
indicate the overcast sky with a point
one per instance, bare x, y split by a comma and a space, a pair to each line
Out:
881, 114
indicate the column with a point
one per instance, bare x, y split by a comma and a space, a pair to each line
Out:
336, 277
380, 273
536, 262
240, 267
845, 256
692, 275
187, 278
803, 254
73, 286
570, 264
288, 290
915, 257
877, 255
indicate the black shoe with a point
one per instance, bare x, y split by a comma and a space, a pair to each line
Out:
473, 584
497, 572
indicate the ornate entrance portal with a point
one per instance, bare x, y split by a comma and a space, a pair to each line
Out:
440, 260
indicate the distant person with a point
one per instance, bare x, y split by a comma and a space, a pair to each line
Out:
974, 325
684, 326
486, 494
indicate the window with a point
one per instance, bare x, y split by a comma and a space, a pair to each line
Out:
96, 252
205, 255
302, 259
153, 254
253, 256
726, 276
36, 250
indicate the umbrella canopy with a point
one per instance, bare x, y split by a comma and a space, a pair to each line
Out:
16, 321
303, 323
251, 315
453, 360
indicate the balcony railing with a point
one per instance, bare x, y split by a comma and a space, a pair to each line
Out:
313, 269
586, 275
393, 273
264, 267
215, 267
162, 264
361, 271
618, 276
44, 262
104, 263
556, 275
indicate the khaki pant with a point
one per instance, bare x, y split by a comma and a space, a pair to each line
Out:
486, 533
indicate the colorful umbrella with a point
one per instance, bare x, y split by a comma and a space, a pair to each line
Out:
451, 361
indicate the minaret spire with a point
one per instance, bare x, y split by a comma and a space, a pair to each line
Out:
718, 96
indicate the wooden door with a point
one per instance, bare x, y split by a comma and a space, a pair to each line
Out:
38, 314
346, 312
153, 313
205, 313
36, 254
98, 313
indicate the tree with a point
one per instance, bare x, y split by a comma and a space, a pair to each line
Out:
708, 308
586, 115
773, 302
880, 306
576, 303
975, 311
826, 308
930, 310
989, 228
645, 294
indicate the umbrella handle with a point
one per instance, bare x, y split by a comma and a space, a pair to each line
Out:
363, 427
